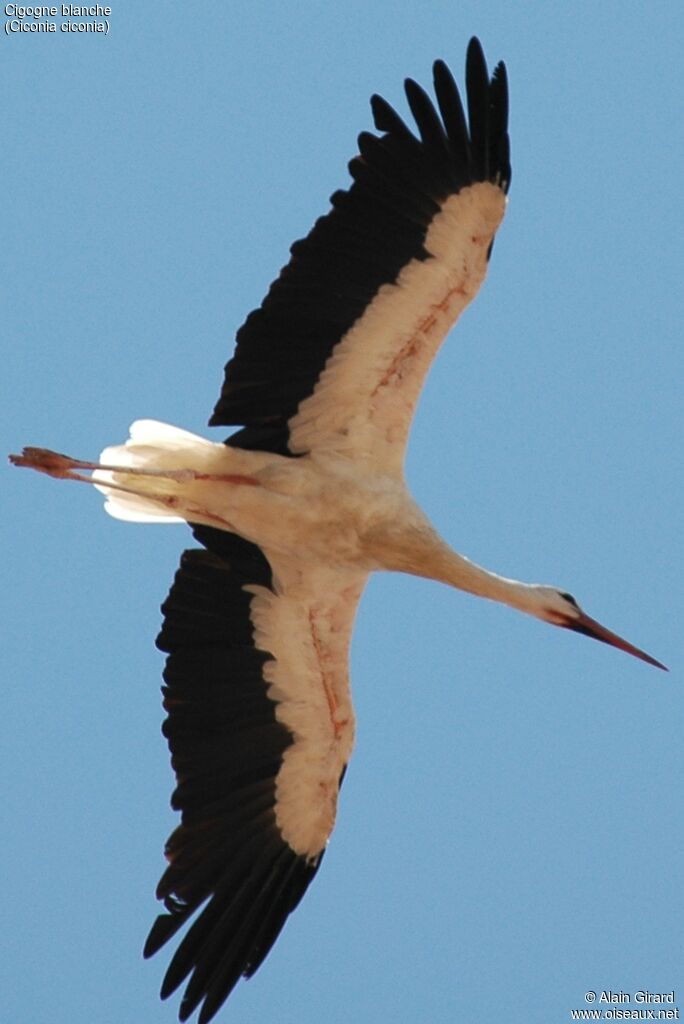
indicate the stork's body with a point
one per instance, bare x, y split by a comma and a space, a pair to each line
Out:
296, 509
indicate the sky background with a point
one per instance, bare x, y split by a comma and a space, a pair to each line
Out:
510, 831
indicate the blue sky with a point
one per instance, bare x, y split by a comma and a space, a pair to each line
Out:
510, 829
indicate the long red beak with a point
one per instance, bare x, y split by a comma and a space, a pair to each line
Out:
590, 627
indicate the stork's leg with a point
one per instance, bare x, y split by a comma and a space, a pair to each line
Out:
63, 467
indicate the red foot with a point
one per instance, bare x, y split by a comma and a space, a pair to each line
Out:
46, 461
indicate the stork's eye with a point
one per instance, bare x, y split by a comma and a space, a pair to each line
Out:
570, 598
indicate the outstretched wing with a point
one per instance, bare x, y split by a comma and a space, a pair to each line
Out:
260, 727
336, 355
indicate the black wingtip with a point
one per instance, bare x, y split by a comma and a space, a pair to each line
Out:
161, 931
475, 51
387, 120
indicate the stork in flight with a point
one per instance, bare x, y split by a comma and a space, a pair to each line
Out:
296, 509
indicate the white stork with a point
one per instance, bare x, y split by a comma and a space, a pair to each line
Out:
296, 509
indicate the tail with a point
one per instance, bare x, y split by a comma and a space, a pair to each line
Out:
152, 448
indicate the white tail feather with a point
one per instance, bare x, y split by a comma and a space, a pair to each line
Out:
153, 446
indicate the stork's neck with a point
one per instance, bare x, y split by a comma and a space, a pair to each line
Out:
458, 571
422, 552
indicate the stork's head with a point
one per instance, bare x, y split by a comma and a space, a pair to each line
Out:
561, 609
